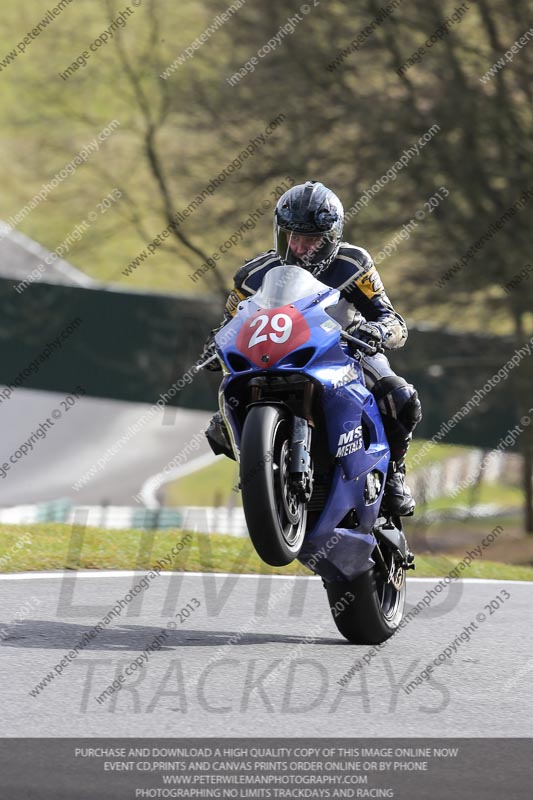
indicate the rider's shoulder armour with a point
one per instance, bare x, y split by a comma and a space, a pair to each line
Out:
354, 273
352, 260
250, 276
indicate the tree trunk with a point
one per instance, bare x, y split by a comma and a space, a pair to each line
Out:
523, 405
528, 488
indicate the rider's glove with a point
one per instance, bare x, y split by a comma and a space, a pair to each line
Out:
371, 332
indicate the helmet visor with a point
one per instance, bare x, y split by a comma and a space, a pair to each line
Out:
304, 249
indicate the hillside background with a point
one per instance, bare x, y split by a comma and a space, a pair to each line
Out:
345, 123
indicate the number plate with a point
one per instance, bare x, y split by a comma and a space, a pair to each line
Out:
272, 333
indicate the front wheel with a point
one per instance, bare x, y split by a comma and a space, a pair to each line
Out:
275, 515
368, 609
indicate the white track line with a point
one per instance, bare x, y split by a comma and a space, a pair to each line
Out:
34, 576
152, 484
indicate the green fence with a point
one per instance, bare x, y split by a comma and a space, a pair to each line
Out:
133, 346
121, 345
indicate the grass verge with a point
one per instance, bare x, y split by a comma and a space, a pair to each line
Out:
54, 546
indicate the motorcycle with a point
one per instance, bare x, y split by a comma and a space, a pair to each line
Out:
312, 450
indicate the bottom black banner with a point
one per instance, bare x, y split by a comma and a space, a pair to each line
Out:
417, 769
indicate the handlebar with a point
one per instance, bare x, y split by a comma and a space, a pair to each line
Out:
366, 346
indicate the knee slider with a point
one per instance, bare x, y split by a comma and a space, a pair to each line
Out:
398, 399
217, 436
411, 412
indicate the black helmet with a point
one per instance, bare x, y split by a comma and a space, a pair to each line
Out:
308, 223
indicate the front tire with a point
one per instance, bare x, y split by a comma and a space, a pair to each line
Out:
368, 609
275, 516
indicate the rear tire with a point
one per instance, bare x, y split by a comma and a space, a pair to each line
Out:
367, 610
275, 517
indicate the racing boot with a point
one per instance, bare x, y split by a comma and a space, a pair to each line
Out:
397, 498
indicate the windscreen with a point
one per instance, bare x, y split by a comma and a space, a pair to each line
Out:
285, 285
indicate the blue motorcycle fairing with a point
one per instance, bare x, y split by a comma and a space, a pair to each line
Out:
341, 555
316, 316
354, 432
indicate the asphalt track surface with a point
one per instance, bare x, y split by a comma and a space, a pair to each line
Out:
82, 435
278, 678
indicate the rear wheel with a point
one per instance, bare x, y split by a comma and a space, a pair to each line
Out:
275, 514
369, 609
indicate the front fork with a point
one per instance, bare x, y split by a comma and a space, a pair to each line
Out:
300, 467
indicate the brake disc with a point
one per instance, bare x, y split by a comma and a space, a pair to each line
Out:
291, 503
